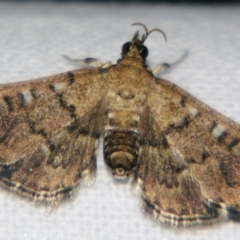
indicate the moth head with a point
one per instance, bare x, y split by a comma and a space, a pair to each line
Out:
135, 48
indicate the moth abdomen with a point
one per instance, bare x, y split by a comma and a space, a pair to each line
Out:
121, 151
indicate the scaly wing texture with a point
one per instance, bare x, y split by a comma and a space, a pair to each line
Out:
48, 131
190, 165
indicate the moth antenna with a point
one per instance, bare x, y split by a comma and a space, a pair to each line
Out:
143, 25
135, 36
148, 32
158, 30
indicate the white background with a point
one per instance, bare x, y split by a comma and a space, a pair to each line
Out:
33, 38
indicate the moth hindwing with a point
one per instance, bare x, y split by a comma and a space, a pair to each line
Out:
183, 155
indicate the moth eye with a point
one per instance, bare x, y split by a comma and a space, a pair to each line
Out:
144, 52
126, 47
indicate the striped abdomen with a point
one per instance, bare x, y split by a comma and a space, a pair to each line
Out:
121, 141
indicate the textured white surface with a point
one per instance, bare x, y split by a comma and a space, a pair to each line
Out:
33, 38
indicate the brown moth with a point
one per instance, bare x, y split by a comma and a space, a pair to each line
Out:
183, 155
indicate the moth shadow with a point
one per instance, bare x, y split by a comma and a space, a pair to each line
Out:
233, 214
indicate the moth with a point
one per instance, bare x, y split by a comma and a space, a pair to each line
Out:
183, 156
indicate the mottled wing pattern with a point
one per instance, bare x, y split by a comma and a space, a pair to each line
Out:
48, 131
184, 155
190, 166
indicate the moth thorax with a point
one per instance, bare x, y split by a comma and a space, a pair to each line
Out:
121, 152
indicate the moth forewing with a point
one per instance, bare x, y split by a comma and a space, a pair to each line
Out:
196, 160
48, 133
184, 156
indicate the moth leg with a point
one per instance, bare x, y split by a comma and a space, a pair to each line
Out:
160, 68
98, 62
106, 65
164, 66
89, 61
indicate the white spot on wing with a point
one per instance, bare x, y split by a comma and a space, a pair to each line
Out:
59, 86
193, 111
57, 161
45, 150
218, 131
27, 97
111, 114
